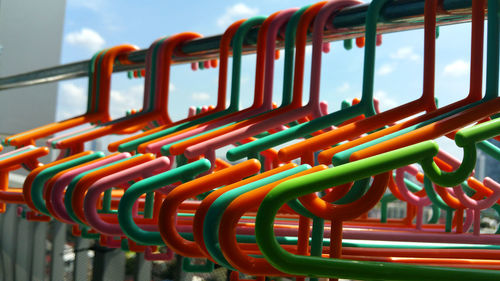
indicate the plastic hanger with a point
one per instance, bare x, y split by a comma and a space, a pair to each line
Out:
35, 190
55, 187
448, 206
457, 199
236, 209
491, 92
198, 186
280, 116
11, 161
225, 176
26, 195
479, 132
289, 39
169, 211
145, 171
338, 268
198, 223
418, 237
241, 204
148, 98
78, 185
158, 108
365, 104
204, 144
121, 179
467, 139
184, 173
257, 107
97, 106
36, 193
155, 145
410, 237
274, 25
139, 235
324, 157
239, 30
213, 233
481, 204
248, 198
221, 94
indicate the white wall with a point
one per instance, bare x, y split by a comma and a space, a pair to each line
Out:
31, 39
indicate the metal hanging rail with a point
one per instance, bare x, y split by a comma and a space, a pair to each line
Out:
397, 15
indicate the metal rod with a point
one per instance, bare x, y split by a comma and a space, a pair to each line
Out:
349, 23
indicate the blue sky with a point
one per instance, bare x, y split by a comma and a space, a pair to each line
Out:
91, 25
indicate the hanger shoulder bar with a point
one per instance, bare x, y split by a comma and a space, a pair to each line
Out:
396, 16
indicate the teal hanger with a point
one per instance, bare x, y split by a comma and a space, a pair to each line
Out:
365, 106
214, 214
38, 184
125, 218
467, 139
491, 93
234, 96
341, 268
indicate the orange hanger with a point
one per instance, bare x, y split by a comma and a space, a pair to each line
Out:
248, 202
159, 111
202, 144
12, 161
474, 93
258, 105
98, 107
86, 182
131, 143
223, 177
26, 191
53, 193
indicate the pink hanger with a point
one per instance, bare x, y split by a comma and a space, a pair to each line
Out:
93, 194
155, 147
312, 109
56, 189
420, 202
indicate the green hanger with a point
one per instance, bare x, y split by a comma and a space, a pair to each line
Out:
129, 227
38, 183
214, 214
492, 73
341, 268
148, 103
234, 98
467, 139
365, 106
71, 187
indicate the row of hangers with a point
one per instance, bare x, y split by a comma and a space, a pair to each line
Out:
267, 216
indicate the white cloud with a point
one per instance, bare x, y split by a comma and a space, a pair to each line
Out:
457, 68
244, 79
123, 100
309, 50
137, 90
344, 87
234, 13
72, 100
171, 87
405, 53
73, 93
94, 5
385, 100
200, 96
86, 38
386, 68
